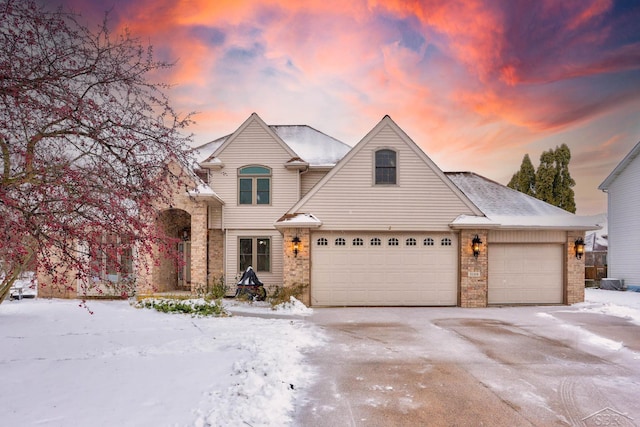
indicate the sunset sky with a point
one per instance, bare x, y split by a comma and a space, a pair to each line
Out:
477, 84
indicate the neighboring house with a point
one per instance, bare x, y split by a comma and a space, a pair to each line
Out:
378, 224
623, 200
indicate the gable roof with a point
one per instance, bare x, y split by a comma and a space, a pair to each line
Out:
303, 142
505, 207
386, 121
635, 151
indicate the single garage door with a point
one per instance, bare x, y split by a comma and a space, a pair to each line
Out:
379, 269
525, 274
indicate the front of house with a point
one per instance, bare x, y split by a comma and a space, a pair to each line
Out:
378, 224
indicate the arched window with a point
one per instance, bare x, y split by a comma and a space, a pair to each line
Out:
340, 241
323, 241
358, 242
254, 185
410, 241
445, 242
376, 242
428, 241
393, 242
385, 167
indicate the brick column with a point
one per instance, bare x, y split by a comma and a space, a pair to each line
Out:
198, 245
297, 269
473, 271
575, 270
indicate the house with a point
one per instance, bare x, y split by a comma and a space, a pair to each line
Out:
378, 224
623, 204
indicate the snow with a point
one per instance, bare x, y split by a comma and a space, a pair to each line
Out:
299, 220
311, 145
506, 207
127, 366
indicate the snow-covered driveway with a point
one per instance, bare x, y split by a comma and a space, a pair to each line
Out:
508, 366
578, 365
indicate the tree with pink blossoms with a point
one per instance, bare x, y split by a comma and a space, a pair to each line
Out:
85, 138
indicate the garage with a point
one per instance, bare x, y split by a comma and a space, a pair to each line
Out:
525, 274
384, 269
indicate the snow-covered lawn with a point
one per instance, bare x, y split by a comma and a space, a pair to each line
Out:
61, 366
122, 366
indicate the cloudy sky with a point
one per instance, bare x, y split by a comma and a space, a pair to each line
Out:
477, 84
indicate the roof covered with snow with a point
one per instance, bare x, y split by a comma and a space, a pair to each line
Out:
311, 145
205, 151
505, 207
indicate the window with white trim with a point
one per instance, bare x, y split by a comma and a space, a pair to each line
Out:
254, 185
254, 252
385, 167
428, 241
410, 242
358, 242
393, 242
340, 241
111, 259
322, 241
445, 242
376, 241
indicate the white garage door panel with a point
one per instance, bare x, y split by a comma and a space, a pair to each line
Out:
525, 274
384, 275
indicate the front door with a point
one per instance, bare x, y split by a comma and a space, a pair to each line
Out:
184, 270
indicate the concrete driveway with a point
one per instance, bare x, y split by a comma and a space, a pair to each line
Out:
510, 366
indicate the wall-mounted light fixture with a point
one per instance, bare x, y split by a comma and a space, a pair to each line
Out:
296, 245
475, 245
579, 246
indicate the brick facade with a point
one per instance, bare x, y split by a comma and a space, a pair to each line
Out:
473, 271
575, 270
297, 268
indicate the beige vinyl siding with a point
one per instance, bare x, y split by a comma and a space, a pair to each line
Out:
271, 279
624, 224
309, 179
528, 236
215, 217
419, 201
254, 146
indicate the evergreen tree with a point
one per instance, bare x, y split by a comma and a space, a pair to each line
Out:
546, 177
525, 179
563, 193
551, 182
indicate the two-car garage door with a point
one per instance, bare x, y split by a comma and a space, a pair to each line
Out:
384, 269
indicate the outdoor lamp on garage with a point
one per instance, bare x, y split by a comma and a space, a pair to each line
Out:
296, 245
475, 245
579, 245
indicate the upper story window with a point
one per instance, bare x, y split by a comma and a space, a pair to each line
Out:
254, 185
386, 167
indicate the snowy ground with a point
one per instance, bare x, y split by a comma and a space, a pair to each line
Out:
62, 366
